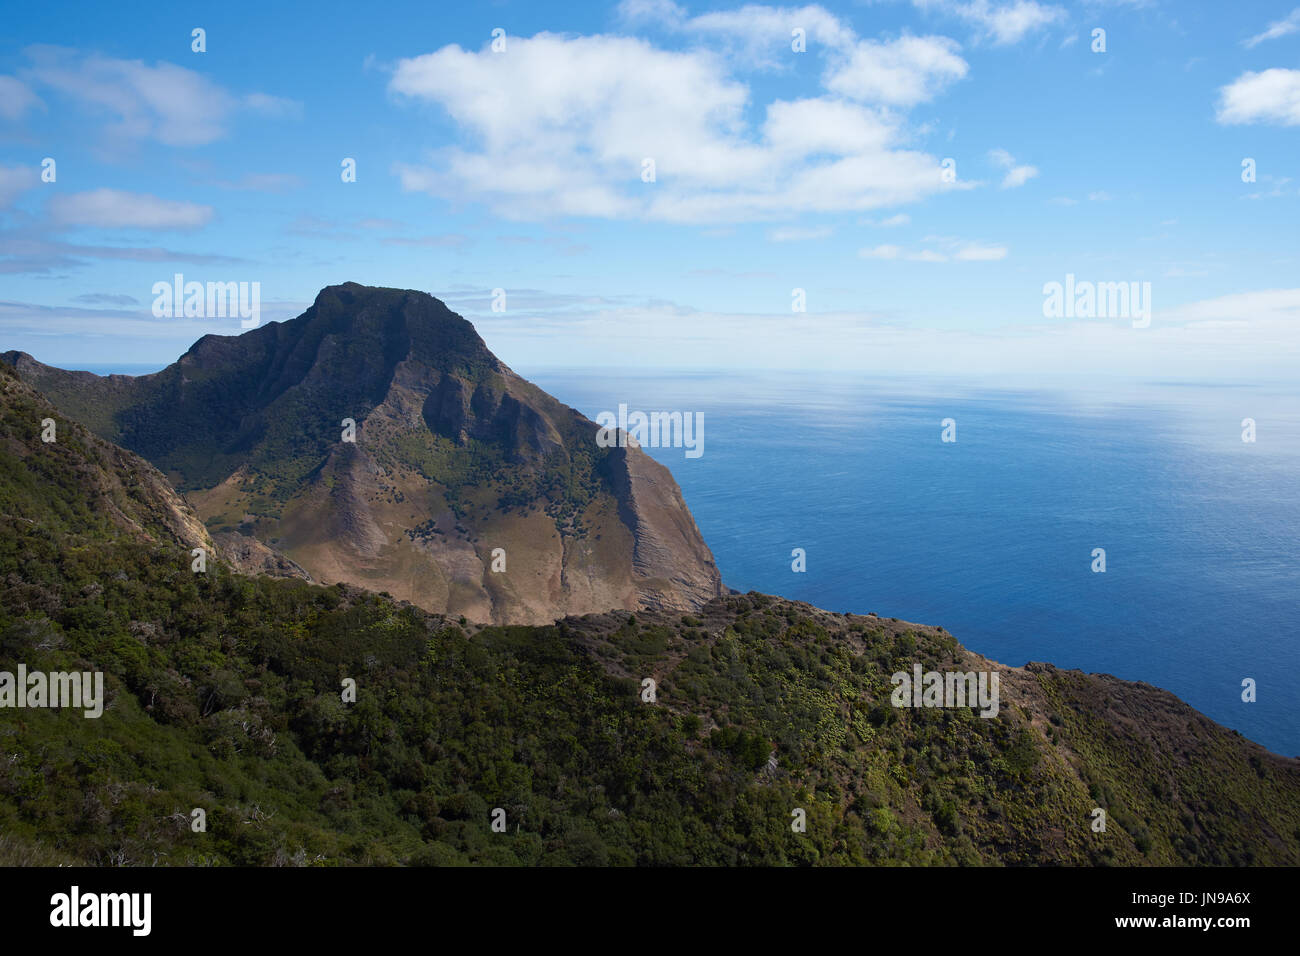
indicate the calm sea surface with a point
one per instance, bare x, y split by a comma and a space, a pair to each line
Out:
992, 536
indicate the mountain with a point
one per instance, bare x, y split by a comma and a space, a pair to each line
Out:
222, 693
454, 456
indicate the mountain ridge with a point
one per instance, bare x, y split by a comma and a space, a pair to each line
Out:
454, 457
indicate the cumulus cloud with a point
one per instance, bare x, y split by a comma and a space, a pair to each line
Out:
902, 72
564, 126
1272, 96
114, 209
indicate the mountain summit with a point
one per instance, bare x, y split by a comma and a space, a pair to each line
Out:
376, 440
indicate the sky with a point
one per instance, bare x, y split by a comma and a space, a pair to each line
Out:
872, 186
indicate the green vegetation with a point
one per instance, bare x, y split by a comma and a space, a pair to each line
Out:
224, 693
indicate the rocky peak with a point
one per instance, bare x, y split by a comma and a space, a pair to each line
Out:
462, 487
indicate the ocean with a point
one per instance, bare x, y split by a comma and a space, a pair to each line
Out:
992, 536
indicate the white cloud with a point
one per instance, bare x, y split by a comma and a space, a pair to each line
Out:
166, 103
880, 252
1003, 23
1272, 96
663, 12
955, 251
806, 127
1016, 175
1097, 196
1279, 28
900, 72
977, 253
277, 106
1264, 304
899, 219
1277, 187
16, 98
113, 208
755, 36
562, 126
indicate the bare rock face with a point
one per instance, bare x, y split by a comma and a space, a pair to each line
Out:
663, 531
376, 441
247, 555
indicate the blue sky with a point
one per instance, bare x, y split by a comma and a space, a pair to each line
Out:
775, 170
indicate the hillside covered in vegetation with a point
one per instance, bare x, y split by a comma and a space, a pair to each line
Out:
224, 693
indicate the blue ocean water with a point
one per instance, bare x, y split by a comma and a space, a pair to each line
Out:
992, 536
